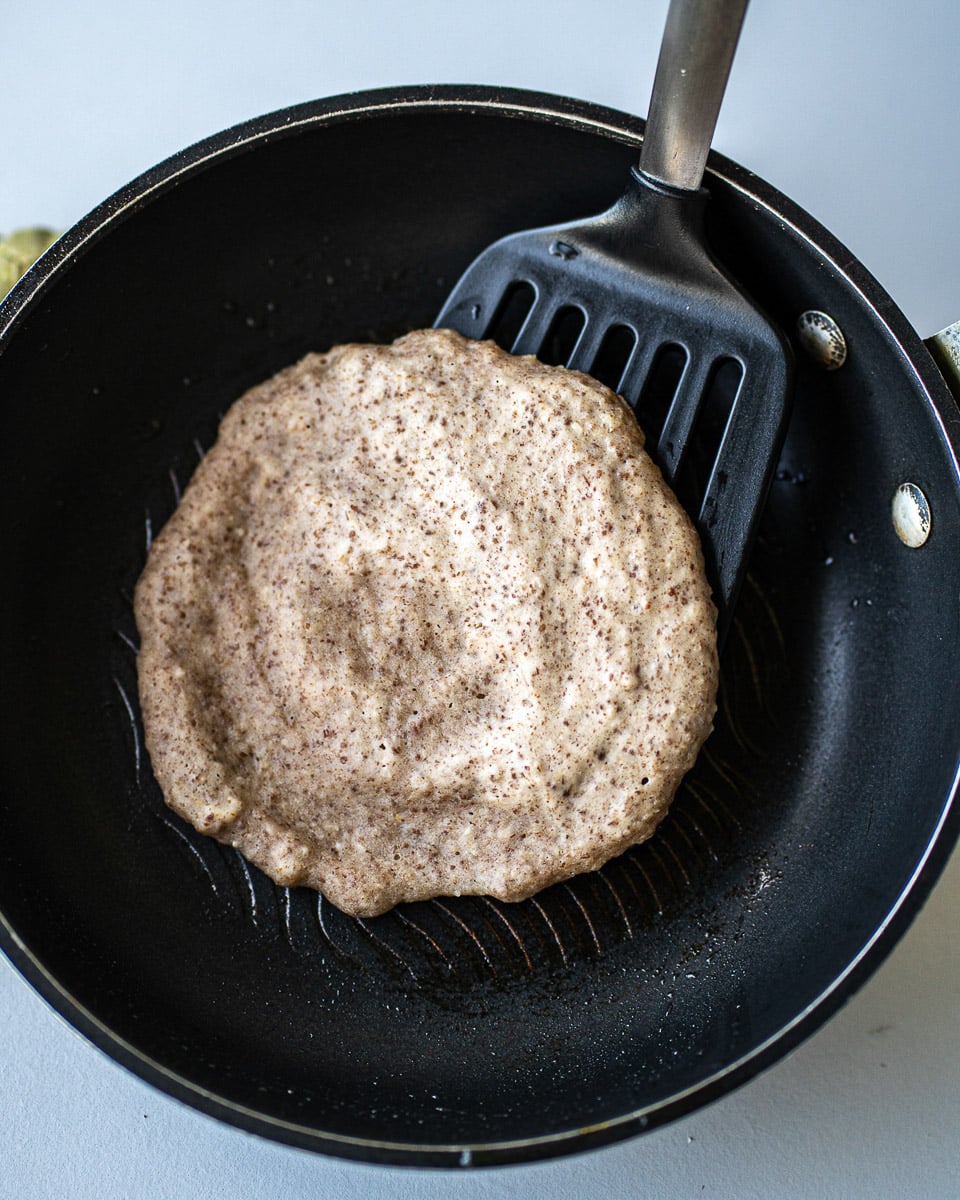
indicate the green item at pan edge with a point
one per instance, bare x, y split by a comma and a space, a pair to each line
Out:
19, 251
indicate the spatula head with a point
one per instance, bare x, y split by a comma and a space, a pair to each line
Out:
634, 297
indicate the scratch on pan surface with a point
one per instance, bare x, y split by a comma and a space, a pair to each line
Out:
284, 906
621, 865
405, 920
727, 779
757, 591
128, 642
466, 928
653, 851
382, 945
194, 851
751, 659
733, 725
516, 937
586, 916
488, 925
616, 896
550, 925
131, 717
697, 794
242, 863
321, 922
677, 828
631, 854
665, 843
684, 814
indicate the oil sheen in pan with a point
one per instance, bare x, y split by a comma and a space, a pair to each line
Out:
460, 941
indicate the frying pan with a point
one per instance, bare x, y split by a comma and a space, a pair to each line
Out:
460, 1031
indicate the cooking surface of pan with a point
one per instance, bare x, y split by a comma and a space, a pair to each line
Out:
461, 1030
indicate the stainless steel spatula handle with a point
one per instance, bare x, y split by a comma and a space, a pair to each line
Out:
698, 47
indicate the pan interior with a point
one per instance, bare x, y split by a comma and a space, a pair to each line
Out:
461, 1022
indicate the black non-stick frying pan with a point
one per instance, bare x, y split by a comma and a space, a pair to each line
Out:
458, 1031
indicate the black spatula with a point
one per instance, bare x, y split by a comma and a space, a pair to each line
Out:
623, 293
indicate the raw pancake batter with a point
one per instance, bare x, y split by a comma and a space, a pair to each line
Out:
426, 622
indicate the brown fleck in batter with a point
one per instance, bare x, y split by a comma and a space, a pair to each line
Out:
426, 622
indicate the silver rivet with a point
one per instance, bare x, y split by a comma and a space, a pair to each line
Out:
822, 339
911, 515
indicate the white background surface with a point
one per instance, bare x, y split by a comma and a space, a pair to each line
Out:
851, 108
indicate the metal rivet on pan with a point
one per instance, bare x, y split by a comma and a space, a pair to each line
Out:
911, 515
822, 339
563, 250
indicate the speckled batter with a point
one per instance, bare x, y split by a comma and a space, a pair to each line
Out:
426, 622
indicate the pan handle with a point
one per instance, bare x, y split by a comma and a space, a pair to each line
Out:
945, 348
699, 41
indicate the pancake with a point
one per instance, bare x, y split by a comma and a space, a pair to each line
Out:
427, 621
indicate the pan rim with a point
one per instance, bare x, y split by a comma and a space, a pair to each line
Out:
519, 104
508, 102
519, 1150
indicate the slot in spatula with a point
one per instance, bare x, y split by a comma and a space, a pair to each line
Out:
640, 279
